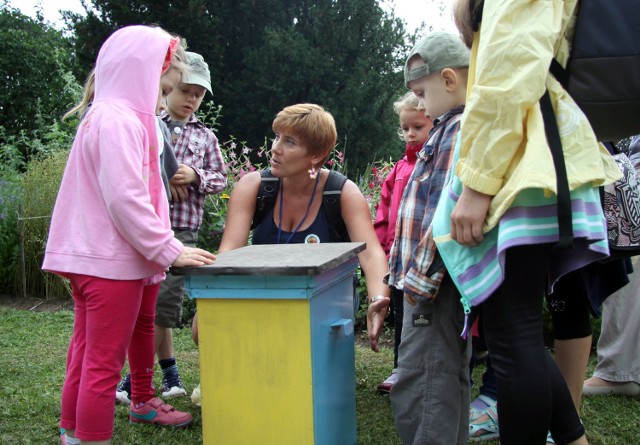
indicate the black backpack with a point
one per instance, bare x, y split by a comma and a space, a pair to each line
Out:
603, 70
602, 77
268, 192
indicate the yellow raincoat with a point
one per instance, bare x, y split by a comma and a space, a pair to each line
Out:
503, 143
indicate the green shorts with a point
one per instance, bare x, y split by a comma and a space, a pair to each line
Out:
169, 305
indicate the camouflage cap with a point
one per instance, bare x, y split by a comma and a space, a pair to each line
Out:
198, 71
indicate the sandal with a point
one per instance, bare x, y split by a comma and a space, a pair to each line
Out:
487, 430
477, 409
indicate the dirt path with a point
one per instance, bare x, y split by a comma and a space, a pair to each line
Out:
34, 304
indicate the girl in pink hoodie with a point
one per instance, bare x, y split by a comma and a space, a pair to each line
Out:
110, 235
414, 130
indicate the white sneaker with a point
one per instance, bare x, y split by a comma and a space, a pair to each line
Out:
123, 390
174, 391
172, 385
196, 396
122, 397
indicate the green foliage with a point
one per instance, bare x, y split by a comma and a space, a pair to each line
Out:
40, 184
238, 160
371, 180
345, 55
35, 65
10, 201
29, 191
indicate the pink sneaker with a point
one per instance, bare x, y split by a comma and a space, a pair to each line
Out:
157, 412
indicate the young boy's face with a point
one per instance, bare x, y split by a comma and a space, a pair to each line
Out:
185, 100
415, 126
168, 83
432, 92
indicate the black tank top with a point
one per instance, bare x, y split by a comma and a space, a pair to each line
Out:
267, 231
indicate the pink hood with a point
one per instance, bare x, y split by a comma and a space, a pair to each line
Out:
111, 217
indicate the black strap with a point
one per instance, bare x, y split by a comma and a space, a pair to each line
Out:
562, 182
476, 14
268, 192
331, 204
560, 73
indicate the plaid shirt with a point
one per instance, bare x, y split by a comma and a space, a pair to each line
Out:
414, 264
198, 148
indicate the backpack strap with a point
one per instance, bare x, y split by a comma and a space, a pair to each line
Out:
331, 205
476, 9
268, 192
266, 198
565, 219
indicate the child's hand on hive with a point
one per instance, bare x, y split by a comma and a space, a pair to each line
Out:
193, 256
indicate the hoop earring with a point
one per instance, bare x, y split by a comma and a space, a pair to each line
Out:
313, 173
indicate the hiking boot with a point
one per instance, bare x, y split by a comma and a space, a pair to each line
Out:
171, 384
123, 390
156, 412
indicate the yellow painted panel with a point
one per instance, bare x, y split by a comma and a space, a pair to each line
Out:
256, 374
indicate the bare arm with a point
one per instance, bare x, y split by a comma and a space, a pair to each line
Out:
242, 205
373, 260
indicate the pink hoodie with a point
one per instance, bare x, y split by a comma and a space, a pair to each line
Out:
111, 218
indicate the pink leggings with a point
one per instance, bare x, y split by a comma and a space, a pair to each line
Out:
112, 318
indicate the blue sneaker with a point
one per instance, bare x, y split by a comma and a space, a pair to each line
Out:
171, 384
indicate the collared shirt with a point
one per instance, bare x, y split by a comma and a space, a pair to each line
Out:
197, 147
413, 251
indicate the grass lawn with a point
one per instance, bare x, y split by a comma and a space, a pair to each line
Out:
33, 345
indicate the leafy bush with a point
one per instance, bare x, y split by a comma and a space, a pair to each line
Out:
238, 161
40, 184
10, 202
31, 190
36, 66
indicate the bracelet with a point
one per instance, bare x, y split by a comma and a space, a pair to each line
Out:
377, 298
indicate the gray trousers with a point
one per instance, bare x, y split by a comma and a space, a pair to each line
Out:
618, 346
431, 399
